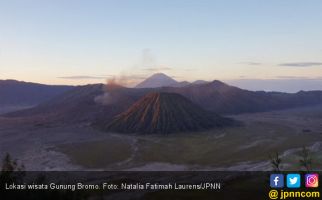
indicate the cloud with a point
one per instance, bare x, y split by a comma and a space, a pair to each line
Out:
177, 77
84, 77
299, 77
155, 69
293, 77
252, 63
125, 79
148, 62
286, 84
189, 69
279, 78
148, 59
133, 77
301, 64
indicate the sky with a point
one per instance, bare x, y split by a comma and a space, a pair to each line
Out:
271, 45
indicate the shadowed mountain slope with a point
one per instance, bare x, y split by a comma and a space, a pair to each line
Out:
225, 99
164, 113
14, 92
83, 104
76, 104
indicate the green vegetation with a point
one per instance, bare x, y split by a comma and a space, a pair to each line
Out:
276, 162
13, 173
10, 165
306, 160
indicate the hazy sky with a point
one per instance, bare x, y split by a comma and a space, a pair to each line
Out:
78, 42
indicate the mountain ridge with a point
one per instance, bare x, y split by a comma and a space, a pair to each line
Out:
80, 104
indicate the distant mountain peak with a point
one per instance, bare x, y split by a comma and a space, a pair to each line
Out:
157, 80
160, 74
217, 83
199, 82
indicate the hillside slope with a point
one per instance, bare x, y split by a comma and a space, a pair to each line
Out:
20, 93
